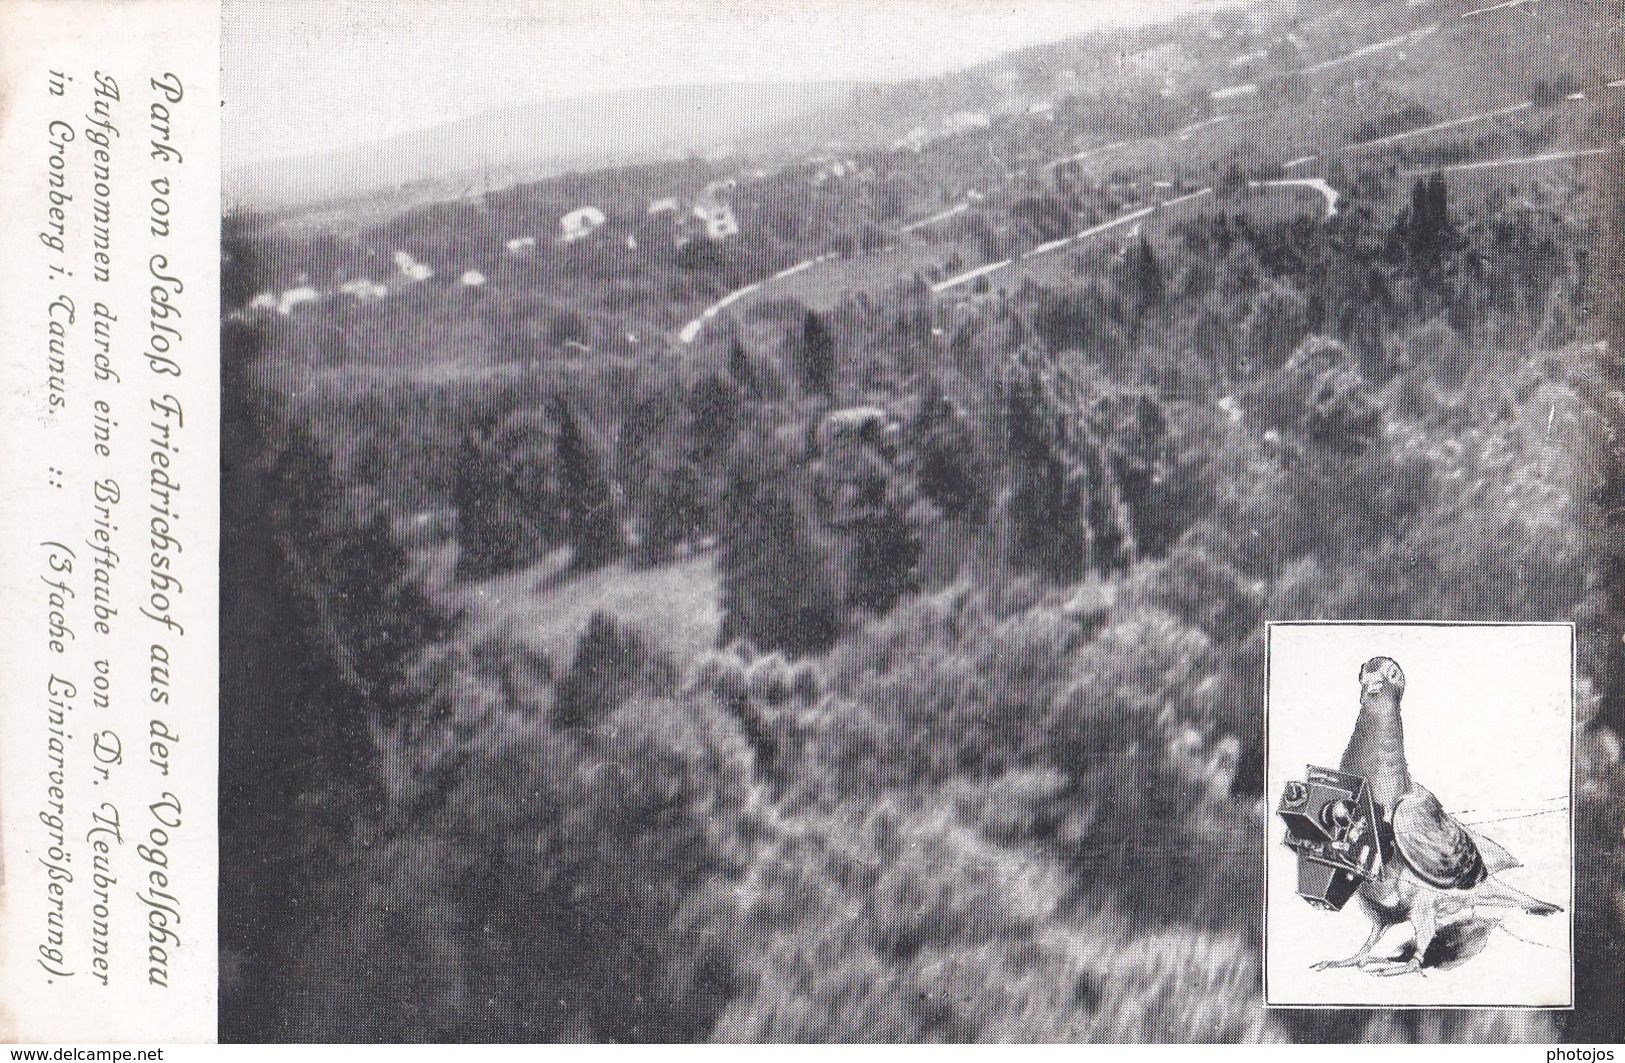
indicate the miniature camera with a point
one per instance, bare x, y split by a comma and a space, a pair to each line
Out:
1332, 824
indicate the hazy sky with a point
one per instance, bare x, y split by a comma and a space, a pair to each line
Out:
303, 75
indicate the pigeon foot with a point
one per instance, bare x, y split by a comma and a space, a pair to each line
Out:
1360, 958
1327, 965
1394, 968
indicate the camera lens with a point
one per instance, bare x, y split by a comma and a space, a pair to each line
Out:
1336, 816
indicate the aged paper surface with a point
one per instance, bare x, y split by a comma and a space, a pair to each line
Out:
765, 523
777, 514
109, 162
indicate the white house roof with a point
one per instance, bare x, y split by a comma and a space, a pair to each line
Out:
411, 268
580, 222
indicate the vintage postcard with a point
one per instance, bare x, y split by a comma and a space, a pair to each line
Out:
896, 521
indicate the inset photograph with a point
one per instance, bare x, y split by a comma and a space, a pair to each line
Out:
1420, 851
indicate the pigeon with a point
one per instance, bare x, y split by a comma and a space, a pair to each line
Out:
1437, 867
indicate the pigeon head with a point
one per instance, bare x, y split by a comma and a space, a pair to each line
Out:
1382, 675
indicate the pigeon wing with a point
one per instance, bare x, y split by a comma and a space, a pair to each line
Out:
1440, 850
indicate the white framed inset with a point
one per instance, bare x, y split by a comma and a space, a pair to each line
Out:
1488, 727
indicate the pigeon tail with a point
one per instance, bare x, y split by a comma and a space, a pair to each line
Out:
1494, 892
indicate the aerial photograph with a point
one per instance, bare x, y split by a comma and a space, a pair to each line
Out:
764, 523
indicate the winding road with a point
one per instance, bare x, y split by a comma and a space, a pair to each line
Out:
1453, 123
1496, 164
1314, 184
692, 330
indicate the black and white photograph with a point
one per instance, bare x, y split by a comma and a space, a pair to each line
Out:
1420, 776
879, 521
762, 525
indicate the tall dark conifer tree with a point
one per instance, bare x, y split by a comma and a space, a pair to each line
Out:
818, 356
593, 525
